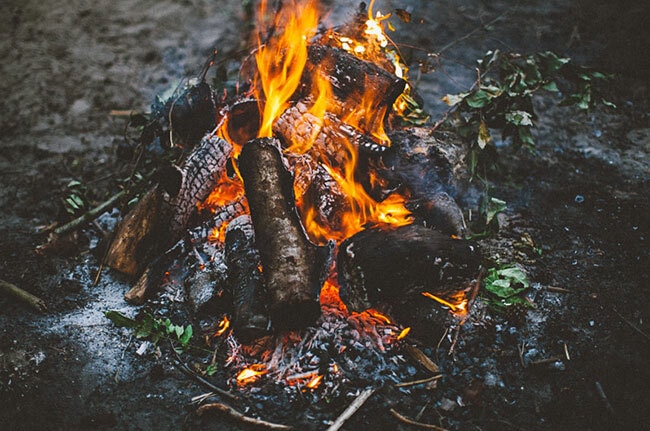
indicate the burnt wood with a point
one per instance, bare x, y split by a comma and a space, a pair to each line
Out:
352, 79
294, 268
161, 216
378, 267
244, 280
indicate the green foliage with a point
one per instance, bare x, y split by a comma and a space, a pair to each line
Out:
501, 99
505, 286
154, 329
75, 202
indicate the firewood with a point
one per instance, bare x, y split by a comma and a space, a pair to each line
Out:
297, 127
294, 268
378, 266
352, 80
141, 235
161, 216
200, 173
244, 280
433, 170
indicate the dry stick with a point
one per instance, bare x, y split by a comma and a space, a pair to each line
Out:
406, 420
417, 382
352, 409
16, 292
90, 215
239, 416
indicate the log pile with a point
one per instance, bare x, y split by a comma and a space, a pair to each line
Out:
275, 269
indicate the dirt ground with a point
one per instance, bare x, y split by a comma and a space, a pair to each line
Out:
583, 197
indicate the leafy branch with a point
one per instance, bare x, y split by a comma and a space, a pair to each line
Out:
501, 98
148, 327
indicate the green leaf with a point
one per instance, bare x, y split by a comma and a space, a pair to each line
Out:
551, 86
146, 327
519, 118
120, 320
484, 137
506, 282
187, 335
478, 100
516, 274
179, 331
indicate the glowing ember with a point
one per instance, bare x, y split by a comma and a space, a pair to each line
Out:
251, 374
314, 383
457, 303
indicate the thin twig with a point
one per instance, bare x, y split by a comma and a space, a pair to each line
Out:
418, 382
240, 417
601, 392
632, 325
406, 420
471, 33
90, 215
34, 301
557, 289
547, 360
188, 372
352, 409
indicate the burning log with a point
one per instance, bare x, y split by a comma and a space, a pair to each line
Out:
352, 81
378, 267
294, 268
250, 316
161, 216
298, 128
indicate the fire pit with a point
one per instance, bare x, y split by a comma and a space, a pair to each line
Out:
306, 213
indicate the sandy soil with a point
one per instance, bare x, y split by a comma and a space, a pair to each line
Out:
66, 65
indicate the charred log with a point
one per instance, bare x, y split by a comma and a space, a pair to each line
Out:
160, 218
326, 138
353, 80
245, 283
387, 266
200, 174
293, 267
434, 172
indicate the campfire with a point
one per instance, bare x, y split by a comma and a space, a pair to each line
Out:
315, 218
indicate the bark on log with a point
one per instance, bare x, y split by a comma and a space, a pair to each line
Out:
378, 267
161, 216
244, 281
294, 268
141, 235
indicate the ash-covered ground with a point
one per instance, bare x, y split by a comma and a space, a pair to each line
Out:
575, 361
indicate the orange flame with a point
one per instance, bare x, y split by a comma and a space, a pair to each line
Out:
223, 327
403, 333
251, 374
457, 303
226, 191
280, 61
